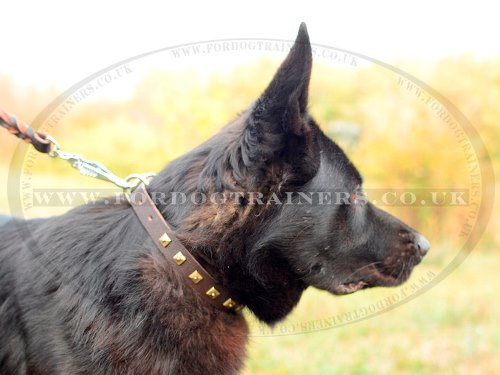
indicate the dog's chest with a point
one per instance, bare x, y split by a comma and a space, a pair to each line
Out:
173, 334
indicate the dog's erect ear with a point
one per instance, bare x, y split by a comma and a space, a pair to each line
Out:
281, 111
286, 96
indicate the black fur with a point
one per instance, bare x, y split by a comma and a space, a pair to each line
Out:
88, 293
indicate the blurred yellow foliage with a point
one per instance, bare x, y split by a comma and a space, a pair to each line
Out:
401, 142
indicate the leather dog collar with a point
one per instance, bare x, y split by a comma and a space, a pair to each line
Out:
176, 253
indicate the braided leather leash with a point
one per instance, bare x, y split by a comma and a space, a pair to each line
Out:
25, 132
44, 143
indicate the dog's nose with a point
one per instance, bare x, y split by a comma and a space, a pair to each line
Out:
423, 244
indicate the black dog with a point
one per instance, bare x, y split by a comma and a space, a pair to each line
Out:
89, 293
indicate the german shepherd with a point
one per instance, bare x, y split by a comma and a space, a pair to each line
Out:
89, 293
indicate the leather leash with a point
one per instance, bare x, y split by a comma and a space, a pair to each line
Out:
176, 253
25, 132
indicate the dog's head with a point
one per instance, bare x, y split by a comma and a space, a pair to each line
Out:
302, 218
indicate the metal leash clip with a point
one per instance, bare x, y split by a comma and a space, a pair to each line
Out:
97, 170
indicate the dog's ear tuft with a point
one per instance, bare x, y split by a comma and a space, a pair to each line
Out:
281, 111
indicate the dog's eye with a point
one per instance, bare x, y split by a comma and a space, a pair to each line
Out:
358, 199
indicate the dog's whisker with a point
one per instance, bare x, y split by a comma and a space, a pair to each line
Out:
362, 268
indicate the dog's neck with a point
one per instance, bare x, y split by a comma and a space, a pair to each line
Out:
218, 237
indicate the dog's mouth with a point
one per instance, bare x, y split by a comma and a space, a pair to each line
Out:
349, 287
374, 276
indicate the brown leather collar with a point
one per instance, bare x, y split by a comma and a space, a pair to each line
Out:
177, 254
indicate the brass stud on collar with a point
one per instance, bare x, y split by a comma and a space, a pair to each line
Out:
179, 258
229, 303
213, 293
165, 240
196, 277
